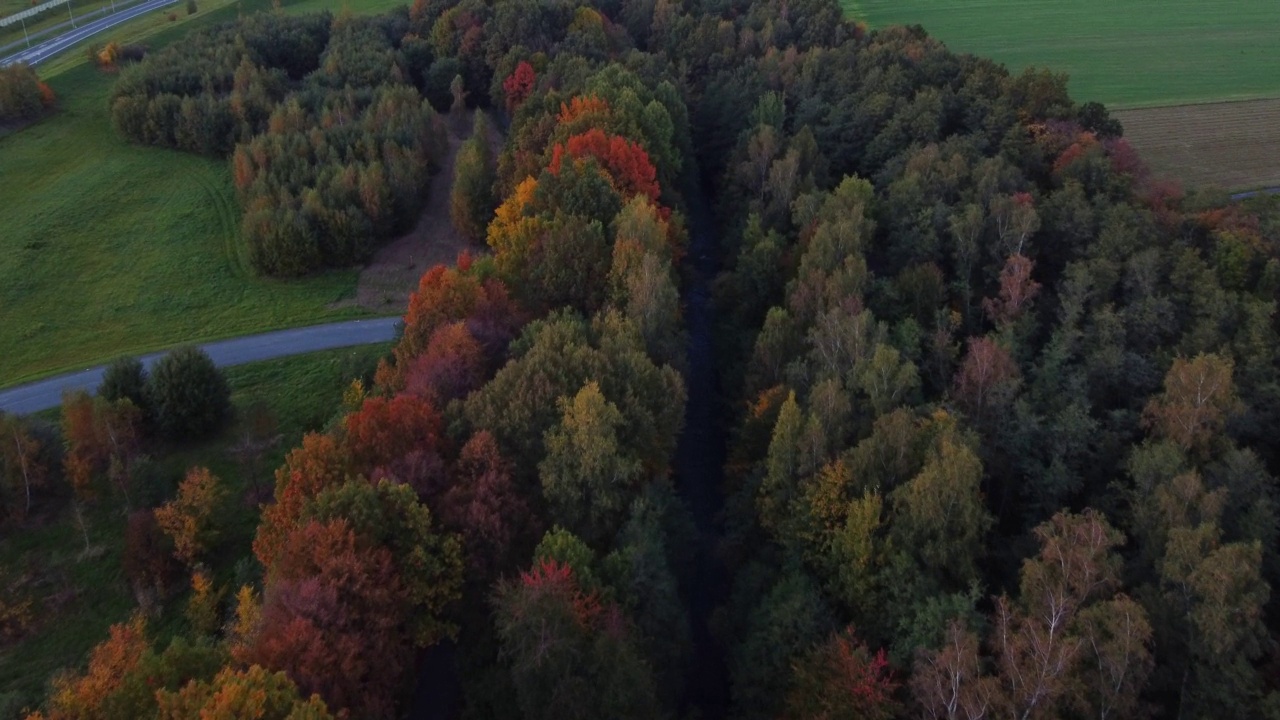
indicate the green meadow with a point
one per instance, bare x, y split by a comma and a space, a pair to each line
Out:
1126, 53
107, 248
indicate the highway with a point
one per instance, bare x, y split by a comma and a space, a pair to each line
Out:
45, 394
40, 52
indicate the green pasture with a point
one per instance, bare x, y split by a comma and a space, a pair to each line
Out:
1126, 53
302, 393
108, 248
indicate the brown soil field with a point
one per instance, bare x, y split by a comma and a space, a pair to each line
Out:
1231, 145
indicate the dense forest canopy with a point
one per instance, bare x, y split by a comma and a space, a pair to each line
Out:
1001, 407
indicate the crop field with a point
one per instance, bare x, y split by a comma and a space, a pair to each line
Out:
1125, 53
108, 248
1233, 145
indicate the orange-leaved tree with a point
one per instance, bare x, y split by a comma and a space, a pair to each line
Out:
234, 694
189, 519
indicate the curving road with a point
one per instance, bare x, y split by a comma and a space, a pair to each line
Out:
37, 54
45, 394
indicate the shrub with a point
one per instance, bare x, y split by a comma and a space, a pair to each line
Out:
188, 395
126, 378
22, 95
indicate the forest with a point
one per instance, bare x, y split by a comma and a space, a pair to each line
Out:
810, 372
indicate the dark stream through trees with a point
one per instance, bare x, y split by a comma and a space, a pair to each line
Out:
699, 461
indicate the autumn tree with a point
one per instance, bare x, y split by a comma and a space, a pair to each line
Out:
23, 95
149, 562
22, 467
939, 514
1199, 396
588, 477
1016, 220
320, 462
252, 694
1070, 640
101, 440
191, 518
519, 84
451, 366
987, 379
947, 683
83, 695
447, 295
331, 619
842, 678
427, 560
627, 162
484, 507
156, 671
383, 431
570, 654
471, 200
1017, 289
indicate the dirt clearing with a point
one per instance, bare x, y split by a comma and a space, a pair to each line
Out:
388, 279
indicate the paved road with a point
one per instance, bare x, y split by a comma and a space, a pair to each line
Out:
46, 394
47, 49
1253, 193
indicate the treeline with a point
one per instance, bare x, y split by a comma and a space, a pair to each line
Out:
1007, 399
23, 95
331, 147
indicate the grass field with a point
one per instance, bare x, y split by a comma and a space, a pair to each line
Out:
1231, 145
1125, 53
303, 392
108, 248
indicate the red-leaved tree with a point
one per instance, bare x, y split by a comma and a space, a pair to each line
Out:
842, 678
519, 84
483, 506
332, 620
628, 163
987, 378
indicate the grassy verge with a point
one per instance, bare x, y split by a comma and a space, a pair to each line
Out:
1128, 54
109, 248
90, 593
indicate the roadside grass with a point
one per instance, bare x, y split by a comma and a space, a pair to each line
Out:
107, 248
303, 393
1126, 54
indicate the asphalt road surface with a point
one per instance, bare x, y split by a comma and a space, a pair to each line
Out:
37, 54
45, 394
